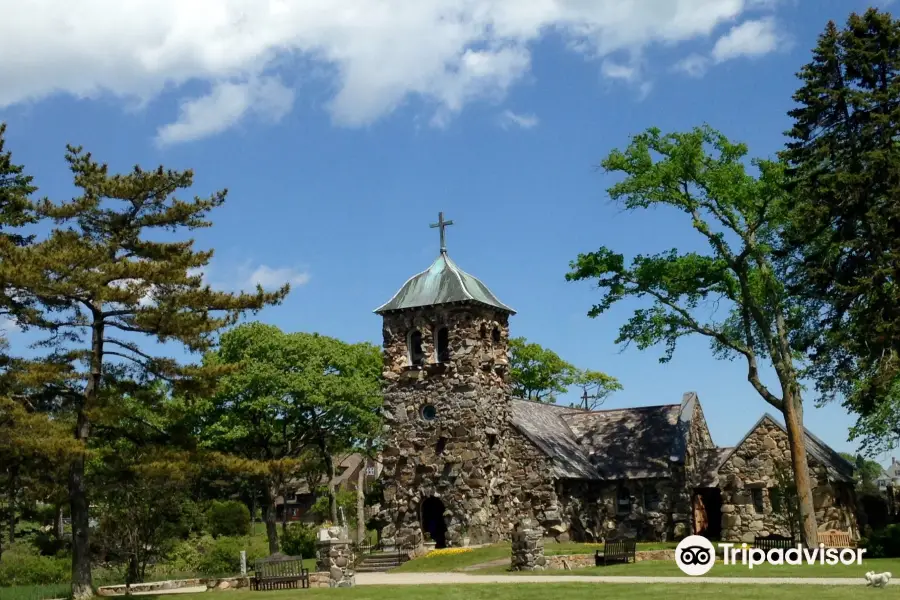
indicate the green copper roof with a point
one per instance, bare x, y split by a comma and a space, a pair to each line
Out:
442, 283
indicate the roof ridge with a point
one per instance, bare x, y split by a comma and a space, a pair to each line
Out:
606, 410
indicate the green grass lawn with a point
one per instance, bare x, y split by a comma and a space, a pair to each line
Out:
660, 568
537, 591
34, 592
455, 562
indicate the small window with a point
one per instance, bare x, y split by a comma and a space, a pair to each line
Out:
492, 440
442, 344
776, 498
651, 499
441, 445
623, 501
495, 335
429, 412
416, 355
757, 496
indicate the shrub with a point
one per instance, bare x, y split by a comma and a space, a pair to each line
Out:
222, 556
299, 540
883, 543
228, 518
22, 565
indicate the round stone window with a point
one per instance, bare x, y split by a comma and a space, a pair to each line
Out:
429, 412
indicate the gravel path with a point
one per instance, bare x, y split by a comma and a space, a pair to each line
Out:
463, 578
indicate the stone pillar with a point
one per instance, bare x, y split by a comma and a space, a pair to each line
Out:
335, 556
528, 547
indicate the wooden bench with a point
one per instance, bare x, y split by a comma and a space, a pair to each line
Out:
615, 551
836, 539
773, 541
279, 573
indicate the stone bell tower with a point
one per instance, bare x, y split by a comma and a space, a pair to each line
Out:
446, 407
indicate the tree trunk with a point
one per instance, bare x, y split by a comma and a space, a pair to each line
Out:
271, 520
284, 512
82, 584
793, 420
329, 476
11, 494
361, 502
253, 514
58, 529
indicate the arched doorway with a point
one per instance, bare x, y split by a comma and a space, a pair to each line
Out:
433, 521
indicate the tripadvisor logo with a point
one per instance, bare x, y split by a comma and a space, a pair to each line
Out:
695, 555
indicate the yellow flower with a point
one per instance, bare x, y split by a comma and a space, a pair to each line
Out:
447, 552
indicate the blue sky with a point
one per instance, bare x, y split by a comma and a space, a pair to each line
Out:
342, 128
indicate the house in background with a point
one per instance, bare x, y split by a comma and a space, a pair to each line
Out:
299, 498
889, 477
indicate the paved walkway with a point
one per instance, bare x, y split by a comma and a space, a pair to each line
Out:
463, 578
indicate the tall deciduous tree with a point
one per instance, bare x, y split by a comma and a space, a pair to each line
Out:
539, 374
117, 269
701, 174
595, 387
842, 246
294, 402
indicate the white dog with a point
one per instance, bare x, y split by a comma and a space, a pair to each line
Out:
877, 579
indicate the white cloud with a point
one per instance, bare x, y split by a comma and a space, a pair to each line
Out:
224, 106
524, 121
270, 278
694, 65
750, 39
615, 70
378, 53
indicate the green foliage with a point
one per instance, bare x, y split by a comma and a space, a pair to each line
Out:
539, 374
595, 387
230, 518
703, 176
884, 543
22, 565
345, 499
842, 243
867, 472
300, 540
295, 400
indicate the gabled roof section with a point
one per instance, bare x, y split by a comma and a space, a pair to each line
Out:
631, 443
838, 468
442, 283
543, 424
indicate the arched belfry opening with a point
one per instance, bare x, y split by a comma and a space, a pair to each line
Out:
414, 346
433, 521
442, 344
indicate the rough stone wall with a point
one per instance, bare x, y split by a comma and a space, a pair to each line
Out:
461, 455
753, 466
532, 489
699, 440
595, 516
334, 555
528, 547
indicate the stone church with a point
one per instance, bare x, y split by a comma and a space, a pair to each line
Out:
463, 458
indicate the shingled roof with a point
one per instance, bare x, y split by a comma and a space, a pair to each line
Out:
625, 443
543, 424
630, 443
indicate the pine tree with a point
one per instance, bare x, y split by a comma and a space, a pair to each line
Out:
15, 213
842, 243
117, 269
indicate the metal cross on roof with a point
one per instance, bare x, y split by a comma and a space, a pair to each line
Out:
442, 224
